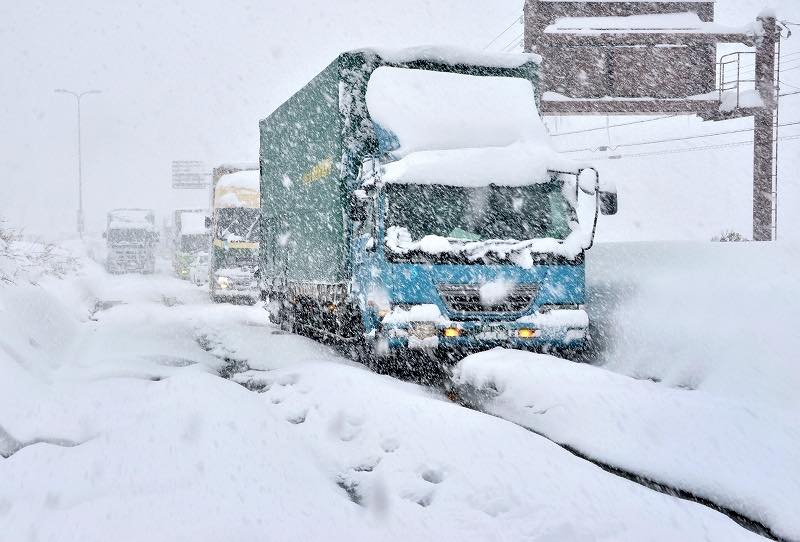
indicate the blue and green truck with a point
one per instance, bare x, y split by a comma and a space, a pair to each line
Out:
410, 200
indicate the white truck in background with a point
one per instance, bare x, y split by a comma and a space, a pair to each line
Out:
131, 238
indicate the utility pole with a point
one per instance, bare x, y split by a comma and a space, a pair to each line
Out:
78, 97
763, 132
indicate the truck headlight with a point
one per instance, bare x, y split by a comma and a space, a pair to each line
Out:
223, 282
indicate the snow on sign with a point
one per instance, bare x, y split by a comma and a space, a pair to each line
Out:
190, 174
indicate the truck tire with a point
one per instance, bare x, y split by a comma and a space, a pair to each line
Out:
287, 316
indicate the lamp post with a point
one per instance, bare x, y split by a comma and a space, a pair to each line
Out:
78, 96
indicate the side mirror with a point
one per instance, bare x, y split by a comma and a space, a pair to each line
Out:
587, 181
608, 203
208, 222
105, 235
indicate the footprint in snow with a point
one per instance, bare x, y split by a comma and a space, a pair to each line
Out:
346, 427
297, 417
389, 445
433, 476
367, 464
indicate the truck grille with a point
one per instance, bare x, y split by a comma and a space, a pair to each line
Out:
128, 258
467, 298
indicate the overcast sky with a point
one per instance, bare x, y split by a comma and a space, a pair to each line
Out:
188, 80
181, 80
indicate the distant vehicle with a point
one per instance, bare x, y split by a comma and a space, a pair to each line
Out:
199, 268
131, 237
234, 223
190, 238
412, 201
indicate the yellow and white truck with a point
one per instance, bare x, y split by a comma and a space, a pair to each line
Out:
234, 223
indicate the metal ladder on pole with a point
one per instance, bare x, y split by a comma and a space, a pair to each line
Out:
775, 140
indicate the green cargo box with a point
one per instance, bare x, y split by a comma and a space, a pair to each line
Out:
311, 149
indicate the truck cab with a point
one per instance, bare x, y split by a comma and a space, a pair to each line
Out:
131, 240
450, 268
234, 226
190, 239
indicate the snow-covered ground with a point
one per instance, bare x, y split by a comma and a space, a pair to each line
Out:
698, 388
116, 425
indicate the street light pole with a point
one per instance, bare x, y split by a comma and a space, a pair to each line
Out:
78, 97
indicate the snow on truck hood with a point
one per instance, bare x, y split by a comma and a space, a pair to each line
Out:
521, 253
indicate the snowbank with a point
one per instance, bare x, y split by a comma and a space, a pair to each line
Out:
119, 432
717, 317
705, 341
737, 455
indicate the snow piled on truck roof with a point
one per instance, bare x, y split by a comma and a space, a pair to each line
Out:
248, 179
461, 130
452, 55
431, 110
514, 165
121, 219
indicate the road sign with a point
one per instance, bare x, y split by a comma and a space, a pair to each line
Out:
190, 174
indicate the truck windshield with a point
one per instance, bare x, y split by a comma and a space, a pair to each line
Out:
237, 224
479, 214
194, 243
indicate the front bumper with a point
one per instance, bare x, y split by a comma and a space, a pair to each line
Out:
230, 293
557, 329
237, 285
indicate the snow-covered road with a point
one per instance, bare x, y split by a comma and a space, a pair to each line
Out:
117, 425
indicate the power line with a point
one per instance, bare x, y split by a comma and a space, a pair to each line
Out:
788, 85
784, 57
693, 149
613, 125
683, 138
512, 47
513, 43
516, 21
